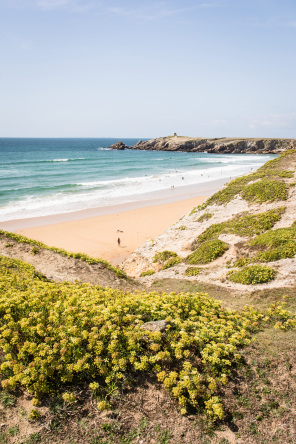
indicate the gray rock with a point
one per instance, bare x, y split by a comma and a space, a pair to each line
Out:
155, 326
119, 146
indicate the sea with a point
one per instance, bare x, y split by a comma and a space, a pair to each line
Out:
40, 177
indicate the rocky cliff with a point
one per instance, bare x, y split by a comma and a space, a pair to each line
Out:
219, 145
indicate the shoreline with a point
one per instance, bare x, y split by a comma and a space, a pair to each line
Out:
98, 236
95, 231
151, 199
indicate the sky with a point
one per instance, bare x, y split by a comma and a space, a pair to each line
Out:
145, 69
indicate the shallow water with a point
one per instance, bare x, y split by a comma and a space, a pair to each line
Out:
41, 177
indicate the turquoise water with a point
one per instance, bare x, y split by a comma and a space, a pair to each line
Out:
51, 176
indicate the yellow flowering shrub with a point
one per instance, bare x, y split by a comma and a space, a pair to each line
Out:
54, 335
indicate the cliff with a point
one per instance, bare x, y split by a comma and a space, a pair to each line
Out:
218, 145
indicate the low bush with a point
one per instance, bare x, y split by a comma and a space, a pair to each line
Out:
243, 225
163, 256
275, 244
253, 274
207, 252
205, 216
172, 262
147, 273
288, 250
242, 262
270, 170
265, 191
192, 271
274, 238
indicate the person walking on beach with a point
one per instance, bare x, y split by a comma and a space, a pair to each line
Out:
118, 241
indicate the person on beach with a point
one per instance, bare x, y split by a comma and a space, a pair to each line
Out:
118, 241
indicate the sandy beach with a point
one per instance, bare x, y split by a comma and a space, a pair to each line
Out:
98, 236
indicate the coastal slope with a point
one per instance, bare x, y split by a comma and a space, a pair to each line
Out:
246, 229
214, 145
58, 265
183, 364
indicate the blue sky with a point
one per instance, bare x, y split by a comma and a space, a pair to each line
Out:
97, 68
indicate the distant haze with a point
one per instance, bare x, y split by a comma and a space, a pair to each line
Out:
144, 69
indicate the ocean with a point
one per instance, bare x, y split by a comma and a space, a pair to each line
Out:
41, 177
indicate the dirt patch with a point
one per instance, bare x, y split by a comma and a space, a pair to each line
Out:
261, 397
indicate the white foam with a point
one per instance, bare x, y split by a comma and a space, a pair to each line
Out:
91, 194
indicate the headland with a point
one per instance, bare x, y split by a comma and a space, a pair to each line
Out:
227, 145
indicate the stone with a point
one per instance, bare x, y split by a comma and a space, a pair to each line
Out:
119, 146
155, 326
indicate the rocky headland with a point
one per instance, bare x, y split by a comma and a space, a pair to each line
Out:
213, 145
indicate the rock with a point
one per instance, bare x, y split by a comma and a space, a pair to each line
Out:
217, 145
155, 326
119, 146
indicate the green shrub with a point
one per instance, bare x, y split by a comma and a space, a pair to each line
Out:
207, 252
242, 225
34, 414
242, 262
192, 271
288, 250
163, 256
227, 193
147, 273
205, 216
270, 170
265, 191
274, 238
275, 244
253, 274
35, 250
7, 399
172, 262
257, 223
195, 209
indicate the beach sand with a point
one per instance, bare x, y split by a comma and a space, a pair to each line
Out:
98, 236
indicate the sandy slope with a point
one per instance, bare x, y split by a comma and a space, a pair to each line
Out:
179, 237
